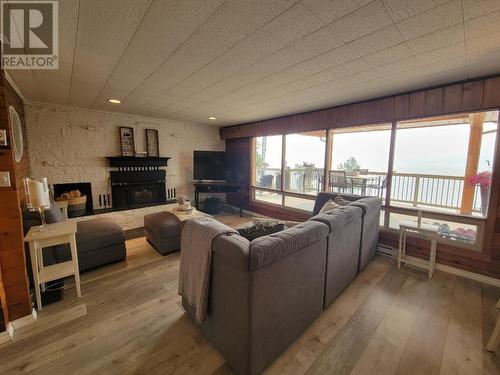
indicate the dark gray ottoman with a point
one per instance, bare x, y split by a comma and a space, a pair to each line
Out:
163, 231
99, 242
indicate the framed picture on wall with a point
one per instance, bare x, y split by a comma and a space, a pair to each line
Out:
127, 141
152, 142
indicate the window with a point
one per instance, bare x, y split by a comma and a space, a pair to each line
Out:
305, 160
268, 162
303, 169
268, 197
299, 203
458, 231
359, 160
445, 164
441, 168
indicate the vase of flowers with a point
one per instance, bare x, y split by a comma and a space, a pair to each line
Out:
483, 180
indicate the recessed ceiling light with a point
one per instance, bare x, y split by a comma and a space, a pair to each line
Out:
212, 118
114, 101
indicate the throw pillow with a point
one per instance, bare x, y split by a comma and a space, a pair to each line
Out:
261, 228
341, 201
329, 205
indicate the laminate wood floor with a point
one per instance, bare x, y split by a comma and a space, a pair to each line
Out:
388, 321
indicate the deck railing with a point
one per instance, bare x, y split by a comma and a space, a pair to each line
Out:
412, 189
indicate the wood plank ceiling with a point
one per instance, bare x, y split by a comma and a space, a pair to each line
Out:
244, 61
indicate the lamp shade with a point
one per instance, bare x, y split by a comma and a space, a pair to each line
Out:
37, 192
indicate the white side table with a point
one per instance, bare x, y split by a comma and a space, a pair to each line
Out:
425, 230
53, 234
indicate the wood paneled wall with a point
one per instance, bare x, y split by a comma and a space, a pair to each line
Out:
3, 305
12, 258
456, 98
461, 97
238, 155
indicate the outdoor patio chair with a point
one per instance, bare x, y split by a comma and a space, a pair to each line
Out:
266, 181
358, 182
378, 185
338, 179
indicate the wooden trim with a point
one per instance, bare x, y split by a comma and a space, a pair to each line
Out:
469, 96
14, 273
283, 167
390, 171
276, 211
493, 223
441, 214
476, 133
391, 251
3, 302
253, 166
328, 159
469, 275
289, 193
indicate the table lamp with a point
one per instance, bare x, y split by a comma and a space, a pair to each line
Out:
38, 197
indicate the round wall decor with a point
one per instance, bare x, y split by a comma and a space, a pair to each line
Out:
17, 134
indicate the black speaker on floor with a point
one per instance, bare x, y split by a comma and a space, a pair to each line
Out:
212, 205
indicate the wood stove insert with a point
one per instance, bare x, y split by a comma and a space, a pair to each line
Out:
138, 181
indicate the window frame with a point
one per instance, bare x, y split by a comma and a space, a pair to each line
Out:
474, 251
281, 190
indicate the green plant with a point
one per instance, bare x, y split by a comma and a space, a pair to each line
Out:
304, 164
350, 165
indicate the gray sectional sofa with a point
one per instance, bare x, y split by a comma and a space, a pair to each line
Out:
370, 222
344, 224
265, 293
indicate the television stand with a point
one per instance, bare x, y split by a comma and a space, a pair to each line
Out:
218, 187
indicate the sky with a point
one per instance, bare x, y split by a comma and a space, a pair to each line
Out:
439, 150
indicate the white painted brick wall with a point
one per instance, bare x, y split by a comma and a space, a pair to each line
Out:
68, 144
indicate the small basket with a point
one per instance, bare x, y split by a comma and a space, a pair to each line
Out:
76, 206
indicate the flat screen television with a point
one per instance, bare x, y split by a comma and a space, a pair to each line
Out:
210, 165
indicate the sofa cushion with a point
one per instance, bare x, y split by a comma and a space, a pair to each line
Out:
339, 217
369, 203
233, 248
341, 201
163, 224
54, 215
98, 233
261, 228
268, 249
32, 218
328, 206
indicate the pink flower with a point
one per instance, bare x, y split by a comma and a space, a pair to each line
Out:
482, 179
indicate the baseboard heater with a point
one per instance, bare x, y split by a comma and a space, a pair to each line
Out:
386, 250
